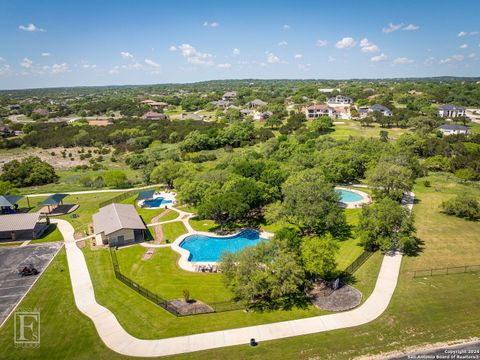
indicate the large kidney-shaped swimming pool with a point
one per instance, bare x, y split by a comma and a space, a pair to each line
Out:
204, 248
348, 197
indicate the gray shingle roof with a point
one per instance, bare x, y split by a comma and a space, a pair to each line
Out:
17, 222
453, 127
115, 217
450, 107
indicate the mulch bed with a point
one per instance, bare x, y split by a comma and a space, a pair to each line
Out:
190, 308
148, 254
342, 299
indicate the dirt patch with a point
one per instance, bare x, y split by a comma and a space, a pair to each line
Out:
158, 232
81, 244
52, 156
148, 254
341, 299
190, 308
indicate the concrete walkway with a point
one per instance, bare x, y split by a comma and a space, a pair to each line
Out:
118, 340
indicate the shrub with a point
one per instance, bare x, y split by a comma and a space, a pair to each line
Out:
463, 206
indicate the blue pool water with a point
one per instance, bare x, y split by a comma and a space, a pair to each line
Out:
210, 248
156, 202
348, 196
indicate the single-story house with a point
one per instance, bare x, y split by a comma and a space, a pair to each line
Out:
25, 226
257, 115
118, 224
454, 129
366, 111
256, 103
229, 95
340, 100
221, 103
152, 115
42, 112
451, 111
315, 111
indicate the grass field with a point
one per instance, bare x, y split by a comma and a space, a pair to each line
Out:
51, 234
171, 215
171, 231
353, 128
423, 310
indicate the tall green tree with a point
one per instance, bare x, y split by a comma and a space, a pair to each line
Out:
390, 180
319, 255
224, 208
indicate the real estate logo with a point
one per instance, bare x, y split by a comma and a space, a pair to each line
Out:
27, 329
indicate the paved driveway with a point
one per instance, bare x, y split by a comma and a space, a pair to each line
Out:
13, 286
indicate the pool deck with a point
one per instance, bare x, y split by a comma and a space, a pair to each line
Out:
165, 195
366, 199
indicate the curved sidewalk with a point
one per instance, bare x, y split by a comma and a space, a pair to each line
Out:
118, 340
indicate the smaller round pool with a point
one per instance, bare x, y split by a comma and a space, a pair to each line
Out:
347, 196
156, 202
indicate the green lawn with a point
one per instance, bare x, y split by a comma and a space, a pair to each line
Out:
423, 310
51, 234
353, 128
171, 231
203, 225
171, 215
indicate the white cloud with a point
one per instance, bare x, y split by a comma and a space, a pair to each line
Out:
392, 27
298, 56
4, 69
464, 33
26, 63
2, 59
452, 59
304, 67
89, 66
236, 51
46, 54
57, 68
378, 58
429, 60
172, 48
463, 46
151, 63
272, 58
282, 43
472, 55
346, 42
322, 43
114, 70
211, 24
331, 59
286, 27
126, 55
194, 56
367, 46
31, 28
224, 66
403, 60
411, 27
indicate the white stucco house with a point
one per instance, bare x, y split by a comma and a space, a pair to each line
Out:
454, 129
340, 100
451, 111
315, 111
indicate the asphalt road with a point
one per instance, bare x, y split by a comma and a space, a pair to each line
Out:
13, 287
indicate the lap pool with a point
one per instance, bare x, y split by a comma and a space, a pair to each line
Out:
204, 248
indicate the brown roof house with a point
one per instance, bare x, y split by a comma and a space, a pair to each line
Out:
118, 224
152, 115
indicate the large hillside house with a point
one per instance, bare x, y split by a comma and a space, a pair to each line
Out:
315, 111
451, 111
340, 100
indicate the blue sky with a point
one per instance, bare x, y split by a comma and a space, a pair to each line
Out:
63, 43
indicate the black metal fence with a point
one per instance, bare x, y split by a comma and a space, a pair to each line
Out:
446, 270
359, 261
118, 198
216, 307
